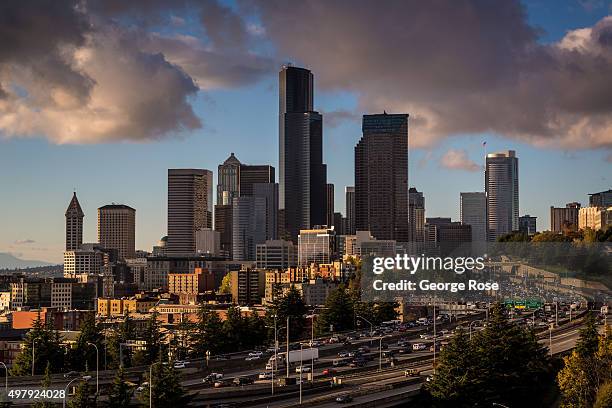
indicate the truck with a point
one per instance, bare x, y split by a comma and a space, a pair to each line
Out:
303, 355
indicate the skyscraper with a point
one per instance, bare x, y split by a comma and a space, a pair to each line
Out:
473, 211
601, 199
74, 225
302, 178
269, 192
502, 188
189, 208
117, 229
381, 177
249, 227
251, 174
416, 211
527, 224
228, 183
564, 219
329, 217
349, 193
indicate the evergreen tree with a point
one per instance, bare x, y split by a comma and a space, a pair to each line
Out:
83, 355
604, 396
206, 334
166, 386
47, 348
234, 330
153, 338
115, 352
45, 384
338, 312
291, 305
83, 397
589, 338
385, 311
120, 393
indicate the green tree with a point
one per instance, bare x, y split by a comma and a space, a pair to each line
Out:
588, 341
166, 387
46, 383
338, 312
206, 334
604, 396
120, 393
291, 304
385, 311
226, 284
83, 397
47, 349
83, 355
153, 337
234, 330
115, 352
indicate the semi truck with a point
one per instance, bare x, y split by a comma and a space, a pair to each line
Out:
304, 355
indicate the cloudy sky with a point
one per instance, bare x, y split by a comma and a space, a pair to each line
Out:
104, 96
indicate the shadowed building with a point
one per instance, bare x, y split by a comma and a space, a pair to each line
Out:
74, 225
117, 229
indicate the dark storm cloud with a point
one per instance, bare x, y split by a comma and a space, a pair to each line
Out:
461, 66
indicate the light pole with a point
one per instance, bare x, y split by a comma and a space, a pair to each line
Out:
550, 327
33, 345
380, 353
370, 323
301, 371
275, 363
84, 378
97, 367
6, 377
311, 347
470, 327
287, 356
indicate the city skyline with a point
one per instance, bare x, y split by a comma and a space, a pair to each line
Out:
35, 168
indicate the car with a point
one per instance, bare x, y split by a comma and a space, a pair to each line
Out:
252, 358
222, 383
340, 362
329, 371
411, 372
179, 364
405, 350
212, 377
255, 354
71, 374
240, 381
357, 363
344, 399
343, 354
302, 369
266, 375
419, 346
142, 387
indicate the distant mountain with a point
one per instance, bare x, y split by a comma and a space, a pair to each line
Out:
8, 261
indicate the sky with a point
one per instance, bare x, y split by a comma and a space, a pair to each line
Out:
102, 97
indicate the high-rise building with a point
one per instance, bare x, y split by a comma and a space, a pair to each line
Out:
502, 188
473, 211
74, 225
276, 254
317, 245
223, 224
228, 183
248, 227
601, 199
349, 193
251, 174
381, 177
248, 286
189, 208
329, 217
416, 212
269, 192
208, 241
117, 229
564, 219
595, 218
303, 176
527, 224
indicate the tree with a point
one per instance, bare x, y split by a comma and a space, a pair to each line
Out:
385, 311
226, 284
234, 330
120, 393
82, 397
589, 338
206, 334
291, 305
47, 349
338, 311
115, 352
153, 339
456, 381
83, 355
604, 396
46, 382
166, 386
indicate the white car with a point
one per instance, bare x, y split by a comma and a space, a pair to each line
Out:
265, 375
302, 369
419, 346
252, 358
255, 354
179, 364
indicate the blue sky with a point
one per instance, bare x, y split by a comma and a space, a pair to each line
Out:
37, 176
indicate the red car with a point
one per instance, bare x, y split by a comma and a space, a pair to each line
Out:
329, 371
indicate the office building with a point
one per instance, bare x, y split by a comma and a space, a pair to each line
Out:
564, 219
502, 189
329, 217
248, 286
208, 241
276, 254
416, 215
317, 245
223, 225
189, 208
228, 183
349, 193
473, 212
595, 218
251, 174
303, 176
198, 281
601, 199
248, 227
527, 224
269, 193
74, 225
366, 244
381, 177
83, 262
117, 229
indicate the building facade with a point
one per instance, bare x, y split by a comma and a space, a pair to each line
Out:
595, 218
564, 219
276, 254
74, 225
502, 189
317, 245
416, 215
249, 227
117, 229
349, 193
473, 212
527, 224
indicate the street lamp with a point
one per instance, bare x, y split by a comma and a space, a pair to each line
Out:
6, 377
84, 378
380, 353
97, 367
470, 327
33, 344
550, 327
301, 371
367, 321
311, 346
287, 356
275, 363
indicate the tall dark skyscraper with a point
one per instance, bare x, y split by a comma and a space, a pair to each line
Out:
228, 183
416, 212
74, 225
349, 203
251, 174
329, 217
189, 208
303, 176
502, 188
381, 177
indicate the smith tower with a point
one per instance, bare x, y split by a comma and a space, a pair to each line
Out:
74, 225
302, 177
